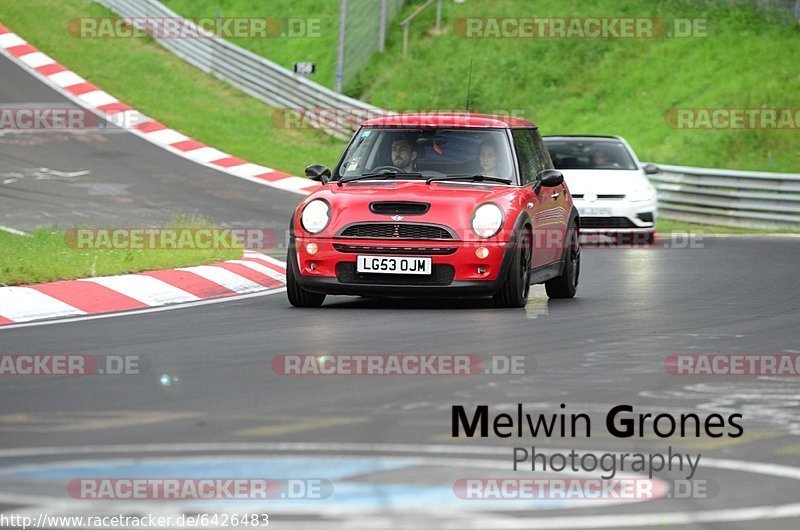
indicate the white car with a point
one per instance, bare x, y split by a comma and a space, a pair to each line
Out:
609, 185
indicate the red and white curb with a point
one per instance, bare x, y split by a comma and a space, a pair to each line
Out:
106, 106
254, 273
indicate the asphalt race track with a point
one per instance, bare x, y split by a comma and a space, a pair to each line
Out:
109, 177
207, 398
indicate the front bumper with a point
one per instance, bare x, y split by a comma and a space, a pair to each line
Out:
331, 269
611, 217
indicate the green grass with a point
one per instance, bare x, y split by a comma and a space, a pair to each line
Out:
143, 74
624, 86
47, 255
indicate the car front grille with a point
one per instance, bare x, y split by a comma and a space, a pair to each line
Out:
398, 251
606, 222
441, 275
396, 231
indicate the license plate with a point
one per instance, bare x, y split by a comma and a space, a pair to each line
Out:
595, 212
394, 265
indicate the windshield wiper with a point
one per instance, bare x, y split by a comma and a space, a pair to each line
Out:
386, 175
476, 178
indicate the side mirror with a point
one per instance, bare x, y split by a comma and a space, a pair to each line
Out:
548, 178
650, 169
319, 173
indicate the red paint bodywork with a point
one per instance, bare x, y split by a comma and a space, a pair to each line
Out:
452, 205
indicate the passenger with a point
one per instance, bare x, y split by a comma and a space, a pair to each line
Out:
490, 162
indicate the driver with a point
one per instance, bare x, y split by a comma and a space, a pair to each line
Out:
404, 156
600, 160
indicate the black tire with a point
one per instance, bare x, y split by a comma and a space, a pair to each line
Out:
298, 296
566, 285
514, 292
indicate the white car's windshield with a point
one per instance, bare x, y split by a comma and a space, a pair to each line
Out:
580, 153
428, 154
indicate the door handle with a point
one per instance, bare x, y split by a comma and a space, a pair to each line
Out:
555, 195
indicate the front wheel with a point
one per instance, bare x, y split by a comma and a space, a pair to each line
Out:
566, 285
514, 292
298, 296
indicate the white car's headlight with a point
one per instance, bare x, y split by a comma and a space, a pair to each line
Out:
641, 194
316, 216
487, 220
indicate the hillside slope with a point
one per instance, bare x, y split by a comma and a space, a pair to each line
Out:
623, 86
748, 59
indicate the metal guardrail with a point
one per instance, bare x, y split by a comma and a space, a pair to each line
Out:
259, 77
724, 197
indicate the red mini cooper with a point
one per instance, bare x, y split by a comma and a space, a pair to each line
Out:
442, 205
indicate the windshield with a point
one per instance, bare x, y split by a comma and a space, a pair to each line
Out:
427, 153
588, 154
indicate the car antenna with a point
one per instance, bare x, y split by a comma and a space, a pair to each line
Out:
469, 83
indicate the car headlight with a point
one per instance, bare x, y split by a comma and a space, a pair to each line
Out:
641, 194
316, 216
487, 220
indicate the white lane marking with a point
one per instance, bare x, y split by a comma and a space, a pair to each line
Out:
13, 231
8, 40
206, 154
438, 460
21, 304
292, 183
232, 298
263, 269
165, 137
249, 170
225, 278
589, 521
36, 59
146, 289
65, 79
650, 519
98, 98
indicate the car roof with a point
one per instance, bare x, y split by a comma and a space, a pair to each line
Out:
443, 119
